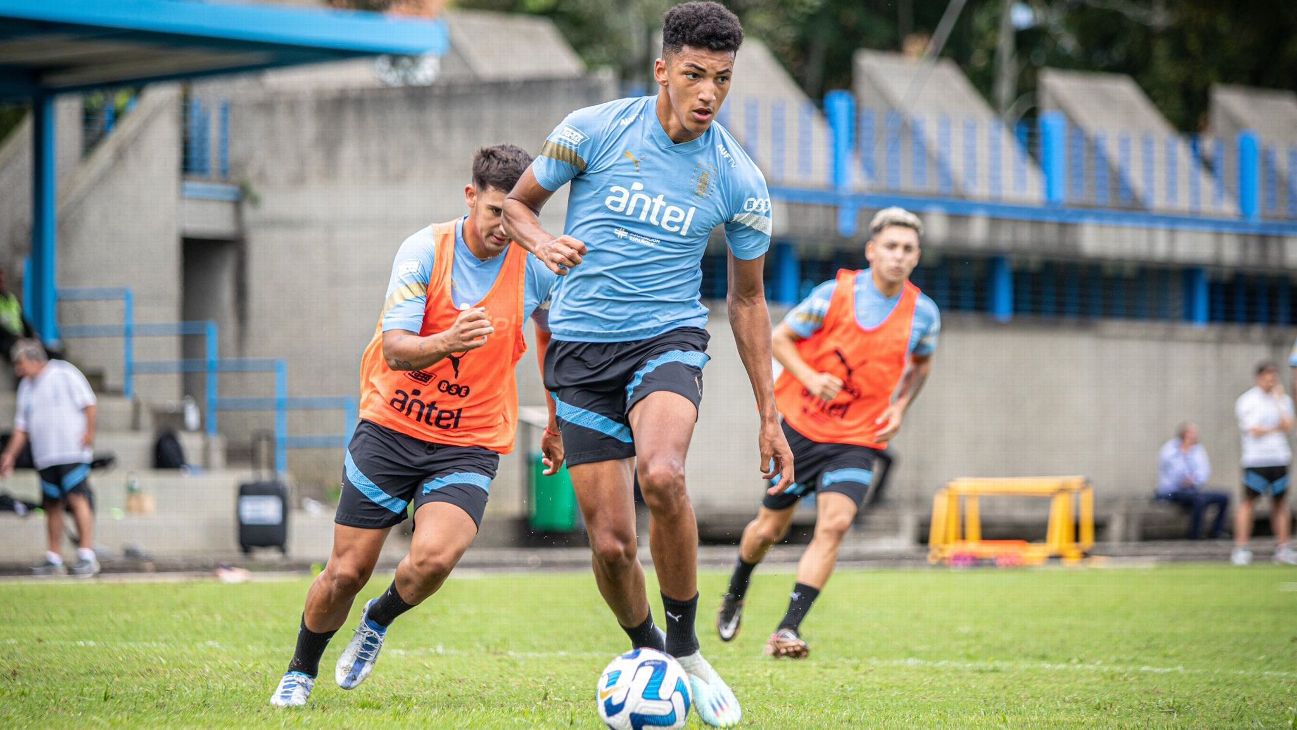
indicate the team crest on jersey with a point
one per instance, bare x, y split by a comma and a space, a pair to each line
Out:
704, 181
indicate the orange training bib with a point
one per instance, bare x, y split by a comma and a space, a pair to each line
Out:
870, 363
468, 398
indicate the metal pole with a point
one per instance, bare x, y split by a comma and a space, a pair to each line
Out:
213, 354
281, 417
128, 343
44, 220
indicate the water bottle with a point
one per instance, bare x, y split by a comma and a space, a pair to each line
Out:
190, 409
132, 484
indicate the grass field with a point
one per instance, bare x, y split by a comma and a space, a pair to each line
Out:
1194, 646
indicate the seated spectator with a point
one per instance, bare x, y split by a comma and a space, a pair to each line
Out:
1183, 469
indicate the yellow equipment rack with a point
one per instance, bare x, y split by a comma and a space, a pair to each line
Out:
1069, 536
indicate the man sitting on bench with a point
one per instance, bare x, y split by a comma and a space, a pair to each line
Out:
1182, 471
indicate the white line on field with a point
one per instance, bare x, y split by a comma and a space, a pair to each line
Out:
907, 662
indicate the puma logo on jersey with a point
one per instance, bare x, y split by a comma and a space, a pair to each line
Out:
454, 362
654, 210
630, 156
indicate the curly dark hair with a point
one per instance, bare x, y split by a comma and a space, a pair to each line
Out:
499, 166
696, 24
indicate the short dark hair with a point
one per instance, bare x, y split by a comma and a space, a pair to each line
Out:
1266, 366
698, 24
499, 166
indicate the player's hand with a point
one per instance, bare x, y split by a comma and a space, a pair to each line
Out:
889, 423
470, 330
824, 386
560, 254
551, 449
776, 457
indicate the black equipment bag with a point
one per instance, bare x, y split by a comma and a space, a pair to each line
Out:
262, 507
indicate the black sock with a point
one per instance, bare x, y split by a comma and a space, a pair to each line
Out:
681, 638
646, 635
799, 603
742, 576
310, 647
388, 607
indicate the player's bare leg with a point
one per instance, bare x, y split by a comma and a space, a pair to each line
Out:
603, 489
1281, 524
663, 425
355, 553
767, 528
834, 514
442, 532
1243, 529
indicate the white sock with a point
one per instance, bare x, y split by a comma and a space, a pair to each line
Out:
85, 554
53, 558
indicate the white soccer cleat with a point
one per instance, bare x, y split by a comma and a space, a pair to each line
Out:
357, 660
1285, 556
713, 699
294, 690
1241, 556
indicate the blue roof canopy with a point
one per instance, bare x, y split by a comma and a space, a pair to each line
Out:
54, 46
48, 47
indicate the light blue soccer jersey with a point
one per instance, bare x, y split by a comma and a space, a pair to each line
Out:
645, 206
871, 309
470, 280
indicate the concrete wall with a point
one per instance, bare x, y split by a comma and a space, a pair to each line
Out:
1272, 115
16, 179
338, 180
1107, 107
939, 107
118, 223
1030, 398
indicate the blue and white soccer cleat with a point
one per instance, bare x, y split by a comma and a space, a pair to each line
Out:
713, 699
357, 660
294, 690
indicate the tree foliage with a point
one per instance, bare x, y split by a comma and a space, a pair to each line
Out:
1175, 50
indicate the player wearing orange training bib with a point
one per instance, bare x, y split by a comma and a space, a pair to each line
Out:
439, 404
855, 355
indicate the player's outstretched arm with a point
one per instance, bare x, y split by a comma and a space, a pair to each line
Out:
522, 220
405, 350
750, 321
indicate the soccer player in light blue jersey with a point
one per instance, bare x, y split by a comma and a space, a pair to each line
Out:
650, 178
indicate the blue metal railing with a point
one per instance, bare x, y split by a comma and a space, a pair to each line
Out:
200, 159
211, 366
855, 157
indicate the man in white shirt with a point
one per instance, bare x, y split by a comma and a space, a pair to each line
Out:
1265, 417
56, 413
1182, 473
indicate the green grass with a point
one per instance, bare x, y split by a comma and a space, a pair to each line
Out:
1194, 646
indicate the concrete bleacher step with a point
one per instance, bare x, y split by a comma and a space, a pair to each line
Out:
134, 449
113, 413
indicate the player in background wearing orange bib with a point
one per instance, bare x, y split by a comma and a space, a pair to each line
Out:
439, 404
855, 355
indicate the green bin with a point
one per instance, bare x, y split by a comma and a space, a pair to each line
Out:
553, 503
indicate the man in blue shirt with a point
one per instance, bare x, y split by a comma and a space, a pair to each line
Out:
650, 178
1182, 472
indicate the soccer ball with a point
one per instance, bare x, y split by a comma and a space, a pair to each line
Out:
643, 688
